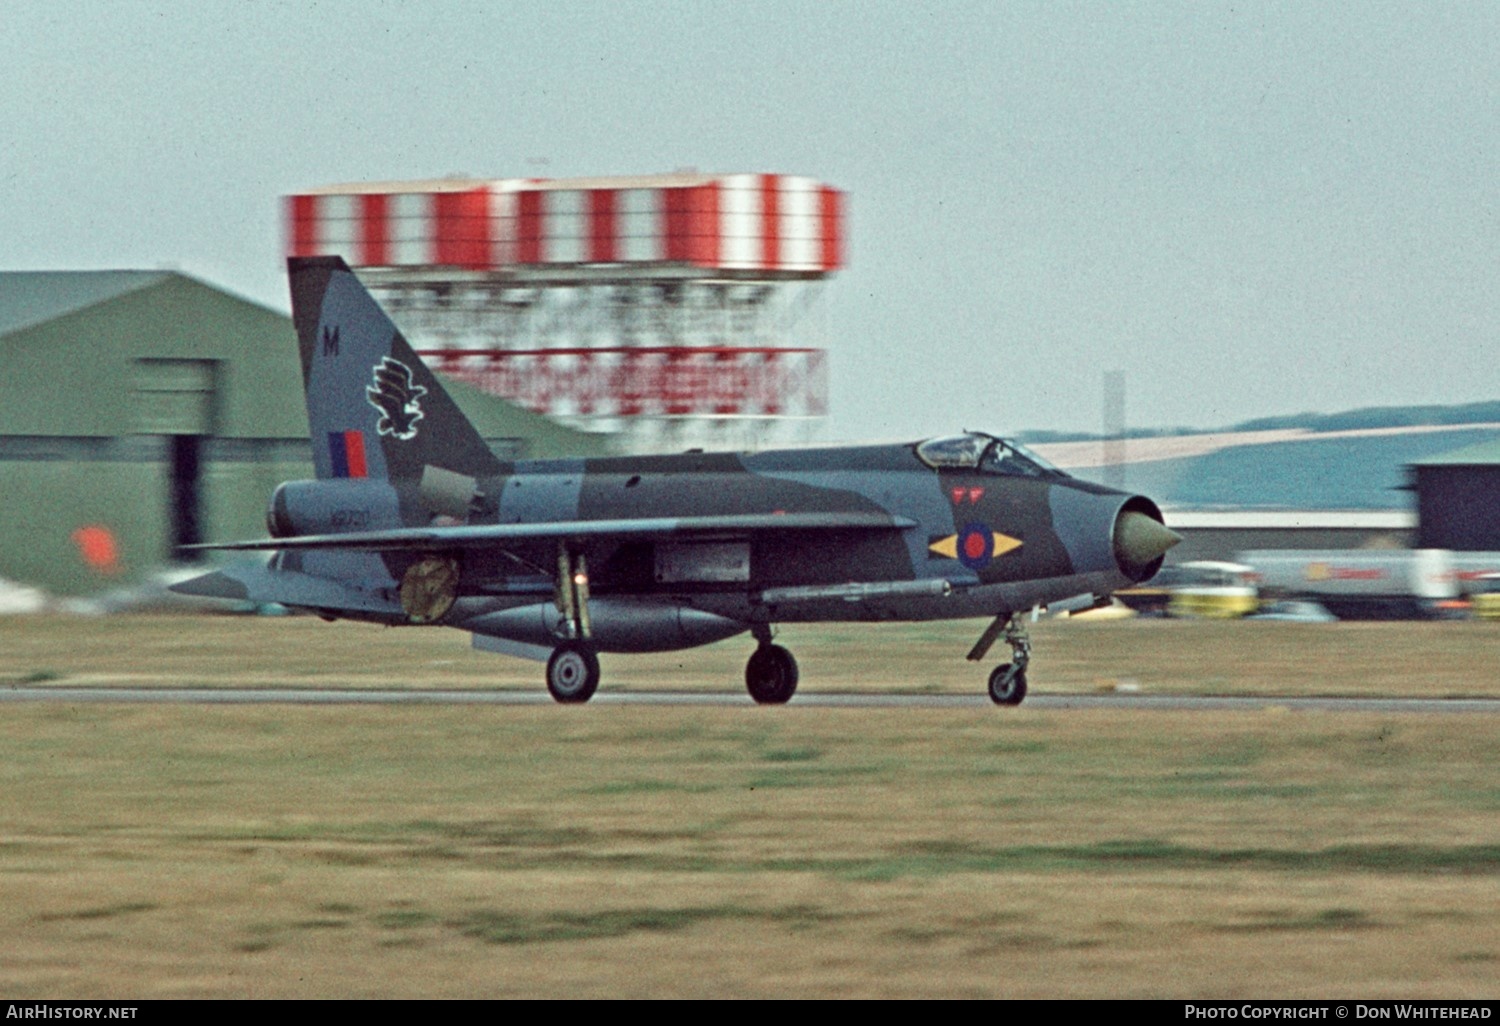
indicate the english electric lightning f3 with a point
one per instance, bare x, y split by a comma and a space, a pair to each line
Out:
413, 520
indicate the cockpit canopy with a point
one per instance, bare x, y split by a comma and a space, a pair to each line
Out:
975, 450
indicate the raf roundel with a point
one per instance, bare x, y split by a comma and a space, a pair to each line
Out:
975, 546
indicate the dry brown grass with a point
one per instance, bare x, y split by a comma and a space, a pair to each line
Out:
160, 851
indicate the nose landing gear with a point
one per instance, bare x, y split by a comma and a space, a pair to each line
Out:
1007, 684
1008, 680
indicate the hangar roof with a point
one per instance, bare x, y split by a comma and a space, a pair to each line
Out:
31, 297
73, 344
1291, 519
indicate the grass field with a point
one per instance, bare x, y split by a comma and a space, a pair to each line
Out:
280, 851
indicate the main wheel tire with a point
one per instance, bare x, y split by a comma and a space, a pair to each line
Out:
572, 673
771, 675
1007, 688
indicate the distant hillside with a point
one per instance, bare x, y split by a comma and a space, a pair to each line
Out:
1358, 473
1350, 420
1285, 462
1380, 417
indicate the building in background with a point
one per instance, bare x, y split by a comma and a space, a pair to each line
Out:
670, 310
1458, 499
147, 410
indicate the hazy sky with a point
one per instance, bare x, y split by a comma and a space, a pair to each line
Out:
1251, 208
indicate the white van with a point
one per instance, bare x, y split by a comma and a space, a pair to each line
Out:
1362, 583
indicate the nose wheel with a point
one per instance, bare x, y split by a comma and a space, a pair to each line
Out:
1007, 684
1008, 680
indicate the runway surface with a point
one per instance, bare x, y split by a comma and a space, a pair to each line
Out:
250, 696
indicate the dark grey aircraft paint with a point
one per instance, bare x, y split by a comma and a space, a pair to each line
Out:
413, 520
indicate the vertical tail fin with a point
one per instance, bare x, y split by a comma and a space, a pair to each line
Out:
373, 407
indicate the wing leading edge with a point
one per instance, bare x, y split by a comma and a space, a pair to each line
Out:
478, 536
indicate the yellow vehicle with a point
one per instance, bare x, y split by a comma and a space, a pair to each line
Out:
1209, 589
1484, 598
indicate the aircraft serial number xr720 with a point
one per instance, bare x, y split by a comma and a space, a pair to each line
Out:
414, 520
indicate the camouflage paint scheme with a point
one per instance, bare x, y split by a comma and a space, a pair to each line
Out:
412, 519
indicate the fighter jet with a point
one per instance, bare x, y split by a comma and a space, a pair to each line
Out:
413, 520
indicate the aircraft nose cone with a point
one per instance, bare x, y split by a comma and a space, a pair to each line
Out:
1141, 539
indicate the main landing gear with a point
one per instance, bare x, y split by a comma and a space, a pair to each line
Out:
573, 670
1008, 680
771, 673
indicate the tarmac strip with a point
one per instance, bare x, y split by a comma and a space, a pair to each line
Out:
869, 700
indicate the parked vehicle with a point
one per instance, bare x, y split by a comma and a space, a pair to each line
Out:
1479, 581
1362, 583
1294, 611
1210, 589
1484, 596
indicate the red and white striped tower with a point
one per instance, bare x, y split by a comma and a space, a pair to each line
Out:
679, 308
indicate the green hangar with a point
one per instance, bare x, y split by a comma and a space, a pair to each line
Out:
146, 410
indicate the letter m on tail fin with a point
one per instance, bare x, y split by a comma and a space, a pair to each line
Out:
373, 407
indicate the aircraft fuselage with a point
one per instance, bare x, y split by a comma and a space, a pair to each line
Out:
960, 541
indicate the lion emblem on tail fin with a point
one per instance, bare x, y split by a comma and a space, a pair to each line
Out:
396, 396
